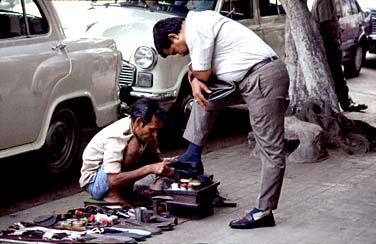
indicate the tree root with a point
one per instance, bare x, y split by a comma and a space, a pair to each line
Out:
353, 136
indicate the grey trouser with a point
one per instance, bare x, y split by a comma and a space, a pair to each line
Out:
264, 92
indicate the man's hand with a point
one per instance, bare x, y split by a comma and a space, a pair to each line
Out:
163, 169
197, 88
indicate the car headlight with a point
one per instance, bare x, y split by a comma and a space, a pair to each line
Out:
145, 57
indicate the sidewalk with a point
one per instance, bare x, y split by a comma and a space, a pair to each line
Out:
331, 202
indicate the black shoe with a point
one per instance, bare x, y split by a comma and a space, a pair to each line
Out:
188, 169
249, 222
355, 107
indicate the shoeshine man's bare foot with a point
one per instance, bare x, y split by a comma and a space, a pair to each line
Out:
114, 197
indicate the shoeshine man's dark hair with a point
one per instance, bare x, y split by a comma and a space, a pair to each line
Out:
161, 30
145, 109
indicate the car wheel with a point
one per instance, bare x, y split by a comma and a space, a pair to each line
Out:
172, 132
352, 67
62, 141
186, 106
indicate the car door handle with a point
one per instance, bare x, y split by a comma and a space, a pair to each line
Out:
59, 46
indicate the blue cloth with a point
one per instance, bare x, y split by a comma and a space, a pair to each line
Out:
98, 184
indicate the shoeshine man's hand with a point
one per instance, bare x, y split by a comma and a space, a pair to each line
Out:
197, 88
162, 168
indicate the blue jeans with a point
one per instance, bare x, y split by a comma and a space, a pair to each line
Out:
98, 184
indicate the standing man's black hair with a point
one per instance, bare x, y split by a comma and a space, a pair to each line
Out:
145, 109
161, 30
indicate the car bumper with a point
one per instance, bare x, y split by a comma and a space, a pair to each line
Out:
372, 43
128, 96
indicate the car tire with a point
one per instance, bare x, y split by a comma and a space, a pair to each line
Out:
186, 107
62, 142
172, 132
353, 66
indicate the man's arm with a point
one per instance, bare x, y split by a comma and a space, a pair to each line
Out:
129, 177
202, 75
197, 80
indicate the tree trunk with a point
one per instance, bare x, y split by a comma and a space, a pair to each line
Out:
305, 58
312, 94
298, 90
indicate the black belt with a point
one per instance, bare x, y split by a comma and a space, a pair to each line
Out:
259, 65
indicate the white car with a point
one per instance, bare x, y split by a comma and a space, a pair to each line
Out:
52, 87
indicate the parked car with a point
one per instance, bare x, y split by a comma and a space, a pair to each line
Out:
369, 6
144, 74
353, 25
51, 87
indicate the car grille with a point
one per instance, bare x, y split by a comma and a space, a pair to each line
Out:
373, 22
127, 74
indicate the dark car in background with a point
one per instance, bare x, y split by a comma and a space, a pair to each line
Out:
372, 35
369, 7
353, 24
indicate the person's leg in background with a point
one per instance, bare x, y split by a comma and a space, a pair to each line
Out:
334, 56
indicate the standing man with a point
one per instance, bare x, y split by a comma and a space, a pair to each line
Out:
222, 48
123, 153
325, 14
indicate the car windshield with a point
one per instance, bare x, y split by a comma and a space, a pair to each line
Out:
365, 4
179, 8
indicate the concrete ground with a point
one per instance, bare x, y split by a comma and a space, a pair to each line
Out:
331, 202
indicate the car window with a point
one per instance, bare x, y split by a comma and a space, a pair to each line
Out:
365, 4
271, 7
338, 8
12, 19
346, 8
354, 7
237, 9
